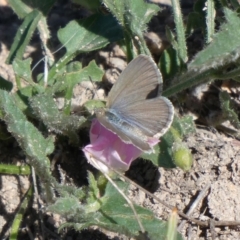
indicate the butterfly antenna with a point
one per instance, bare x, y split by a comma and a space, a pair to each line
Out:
47, 51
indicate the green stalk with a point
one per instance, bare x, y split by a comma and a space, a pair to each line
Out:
190, 80
211, 13
231, 74
128, 44
13, 169
180, 30
20, 213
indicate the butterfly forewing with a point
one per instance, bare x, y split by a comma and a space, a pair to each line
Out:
140, 80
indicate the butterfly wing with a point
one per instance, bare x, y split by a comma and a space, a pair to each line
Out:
152, 116
135, 110
140, 80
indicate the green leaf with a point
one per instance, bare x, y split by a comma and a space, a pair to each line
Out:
180, 31
94, 192
23, 7
92, 105
132, 15
76, 74
89, 34
118, 216
228, 109
24, 35
43, 6
66, 206
184, 125
30, 139
113, 213
22, 97
224, 48
91, 72
92, 5
45, 108
22, 69
170, 63
86, 35
163, 155
34, 145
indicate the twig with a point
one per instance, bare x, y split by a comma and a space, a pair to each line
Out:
212, 226
194, 205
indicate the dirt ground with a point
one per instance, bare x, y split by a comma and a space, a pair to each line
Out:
211, 189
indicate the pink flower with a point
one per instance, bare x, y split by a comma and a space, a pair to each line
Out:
107, 149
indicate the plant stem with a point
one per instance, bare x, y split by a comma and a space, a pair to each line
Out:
211, 13
232, 74
191, 79
180, 30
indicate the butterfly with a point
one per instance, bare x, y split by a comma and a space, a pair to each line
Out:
135, 109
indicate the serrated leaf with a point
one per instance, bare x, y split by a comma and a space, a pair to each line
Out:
228, 110
29, 138
23, 36
21, 98
114, 214
132, 15
66, 206
118, 216
22, 68
94, 192
75, 74
92, 71
224, 48
45, 108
